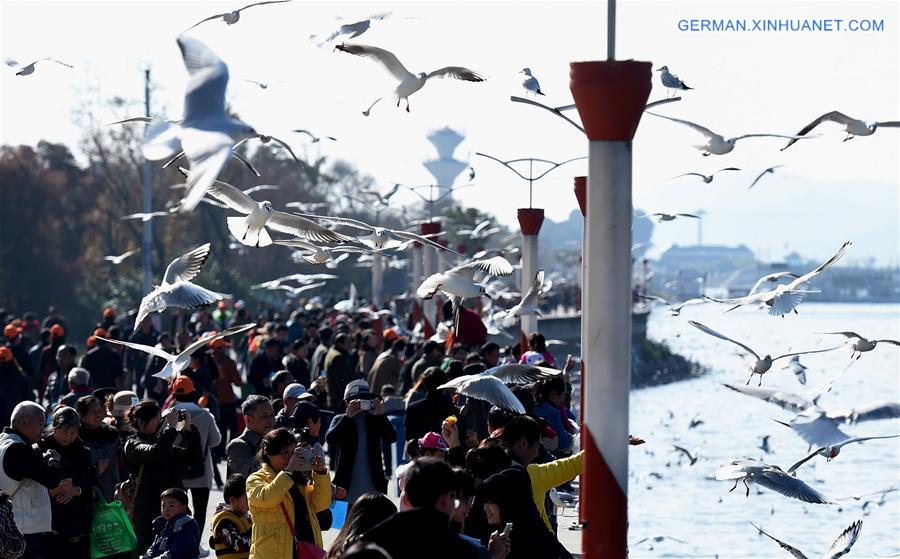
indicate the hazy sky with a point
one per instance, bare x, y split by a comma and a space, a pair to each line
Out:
829, 191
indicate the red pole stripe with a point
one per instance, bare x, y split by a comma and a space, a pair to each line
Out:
604, 507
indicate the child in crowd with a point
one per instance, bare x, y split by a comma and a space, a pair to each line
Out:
175, 533
231, 525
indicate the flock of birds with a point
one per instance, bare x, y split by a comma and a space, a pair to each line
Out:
206, 136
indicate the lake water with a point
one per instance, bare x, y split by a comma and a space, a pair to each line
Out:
688, 504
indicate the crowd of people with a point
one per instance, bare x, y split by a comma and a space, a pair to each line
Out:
309, 408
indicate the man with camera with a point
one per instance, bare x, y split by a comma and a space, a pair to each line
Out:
355, 440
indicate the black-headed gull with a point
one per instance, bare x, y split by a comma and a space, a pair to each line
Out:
674, 308
320, 255
176, 289
770, 170
251, 230
409, 82
862, 345
357, 28
313, 138
146, 216
692, 458
381, 236
529, 303
487, 388
28, 69
207, 133
831, 451
671, 81
177, 363
116, 260
350, 304
717, 144
234, 16
839, 548
784, 298
761, 364
852, 126
798, 368
459, 283
660, 217
530, 83
706, 178
771, 477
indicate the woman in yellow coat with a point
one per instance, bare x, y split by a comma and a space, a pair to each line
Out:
280, 488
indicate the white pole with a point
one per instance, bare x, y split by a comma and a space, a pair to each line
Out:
377, 279
147, 239
529, 269
415, 256
429, 265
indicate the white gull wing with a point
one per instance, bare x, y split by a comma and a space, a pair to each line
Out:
867, 412
703, 130
844, 542
711, 332
806, 352
810, 275
387, 59
837, 447
152, 350
162, 139
190, 295
306, 228
770, 278
457, 72
833, 116
341, 221
183, 359
518, 373
786, 400
187, 266
819, 432
787, 547
781, 482
208, 152
205, 95
408, 236
429, 286
496, 266
491, 389
232, 197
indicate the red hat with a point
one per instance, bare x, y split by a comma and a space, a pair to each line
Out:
11, 331
389, 334
183, 385
101, 332
109, 312
57, 331
433, 441
5, 354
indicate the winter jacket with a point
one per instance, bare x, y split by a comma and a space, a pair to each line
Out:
178, 538
266, 492
104, 364
209, 438
241, 452
428, 415
230, 535
545, 477
385, 370
72, 519
26, 477
339, 373
16, 388
103, 444
420, 532
342, 438
554, 417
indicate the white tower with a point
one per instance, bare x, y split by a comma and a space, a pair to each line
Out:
445, 168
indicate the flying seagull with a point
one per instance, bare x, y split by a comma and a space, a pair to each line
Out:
706, 178
830, 452
176, 289
529, 303
670, 81
772, 478
320, 255
853, 127
674, 309
261, 85
839, 548
207, 133
862, 345
762, 364
380, 235
357, 28
784, 298
717, 144
251, 230
530, 82
315, 139
409, 83
691, 457
660, 217
177, 363
798, 368
296, 291
28, 69
234, 16
145, 217
770, 170
488, 388
471, 174
116, 260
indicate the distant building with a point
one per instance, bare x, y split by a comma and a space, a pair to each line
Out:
445, 168
700, 260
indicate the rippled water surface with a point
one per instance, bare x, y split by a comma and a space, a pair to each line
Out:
688, 504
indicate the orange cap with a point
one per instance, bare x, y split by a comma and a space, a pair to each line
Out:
5, 354
57, 331
11, 331
101, 332
109, 312
183, 385
389, 334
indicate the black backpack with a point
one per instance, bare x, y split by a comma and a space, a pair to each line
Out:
191, 454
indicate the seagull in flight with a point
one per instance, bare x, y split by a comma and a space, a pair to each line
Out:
145, 217
381, 236
839, 548
771, 477
234, 16
660, 217
321, 255
717, 144
862, 345
784, 298
674, 309
528, 305
530, 82
852, 126
314, 139
251, 230
176, 289
116, 260
691, 457
409, 82
28, 69
355, 29
798, 368
770, 170
207, 133
261, 85
177, 363
830, 452
671, 82
294, 292
706, 178
488, 388
459, 283
471, 174
762, 364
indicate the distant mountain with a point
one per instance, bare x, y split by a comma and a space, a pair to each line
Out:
566, 235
